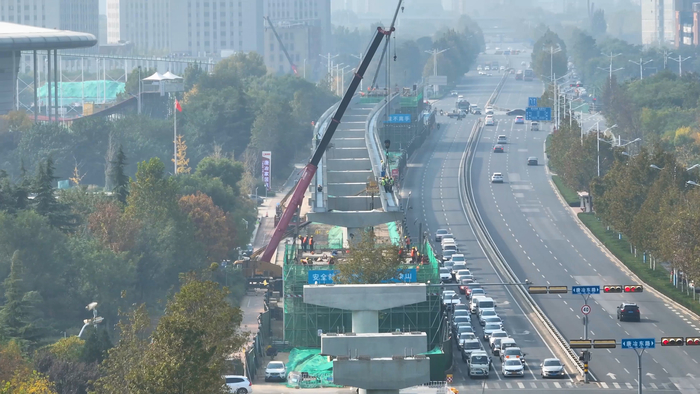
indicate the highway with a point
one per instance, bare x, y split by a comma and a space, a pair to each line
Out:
541, 242
432, 178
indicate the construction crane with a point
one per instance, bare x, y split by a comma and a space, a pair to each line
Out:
284, 49
310, 169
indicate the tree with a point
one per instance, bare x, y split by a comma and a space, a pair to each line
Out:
118, 176
45, 202
19, 318
114, 229
11, 360
229, 171
213, 228
546, 60
152, 194
192, 75
97, 345
188, 348
369, 261
182, 163
29, 382
598, 24
68, 376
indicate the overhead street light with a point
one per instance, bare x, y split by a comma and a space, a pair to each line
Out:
95, 319
597, 137
694, 166
641, 65
692, 183
654, 166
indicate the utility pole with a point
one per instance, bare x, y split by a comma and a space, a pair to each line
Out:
641, 65
436, 52
666, 54
680, 61
552, 51
610, 69
329, 59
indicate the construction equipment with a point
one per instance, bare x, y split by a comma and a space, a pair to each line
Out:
284, 49
310, 169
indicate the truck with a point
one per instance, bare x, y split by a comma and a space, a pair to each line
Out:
529, 74
462, 104
519, 75
456, 113
479, 364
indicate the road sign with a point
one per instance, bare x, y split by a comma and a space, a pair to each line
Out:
639, 343
325, 277
449, 378
399, 118
585, 289
538, 113
532, 101
586, 309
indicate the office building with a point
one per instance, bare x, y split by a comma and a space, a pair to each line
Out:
187, 27
73, 15
304, 28
658, 22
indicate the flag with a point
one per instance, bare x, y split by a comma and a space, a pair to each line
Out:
177, 106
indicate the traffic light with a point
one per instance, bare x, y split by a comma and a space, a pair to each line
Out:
692, 341
633, 289
672, 341
612, 289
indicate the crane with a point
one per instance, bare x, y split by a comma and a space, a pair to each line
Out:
310, 169
284, 49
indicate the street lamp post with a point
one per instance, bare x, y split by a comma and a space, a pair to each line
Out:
641, 65
680, 61
436, 52
552, 50
597, 136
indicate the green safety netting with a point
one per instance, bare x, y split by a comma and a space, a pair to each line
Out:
319, 371
436, 350
90, 91
335, 237
394, 233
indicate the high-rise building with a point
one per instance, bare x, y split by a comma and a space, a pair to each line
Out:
658, 22
191, 27
304, 28
686, 23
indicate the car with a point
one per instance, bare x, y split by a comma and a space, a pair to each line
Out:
489, 74
519, 119
502, 139
474, 109
487, 68
522, 63
458, 265
452, 248
476, 292
488, 110
532, 161
464, 287
482, 73
513, 368
628, 312
497, 335
459, 274
440, 233
484, 313
259, 200
489, 120
461, 307
447, 254
465, 336
457, 258
493, 319
497, 177
498, 149
513, 353
448, 241
502, 68
534, 126
275, 370
469, 346
479, 68
461, 313
463, 325
445, 274
453, 93
491, 327
238, 384
551, 368
447, 294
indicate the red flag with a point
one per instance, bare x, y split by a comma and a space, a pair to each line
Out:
177, 106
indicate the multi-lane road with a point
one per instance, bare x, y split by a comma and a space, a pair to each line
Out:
540, 240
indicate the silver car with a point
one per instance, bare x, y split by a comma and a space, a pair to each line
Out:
490, 328
552, 368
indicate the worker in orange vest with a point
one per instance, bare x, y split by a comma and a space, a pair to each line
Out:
311, 243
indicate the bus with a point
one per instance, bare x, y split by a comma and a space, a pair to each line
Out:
519, 75
528, 75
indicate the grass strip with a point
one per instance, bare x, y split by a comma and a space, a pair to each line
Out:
568, 193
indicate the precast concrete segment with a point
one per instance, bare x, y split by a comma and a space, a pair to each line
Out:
365, 297
374, 345
382, 373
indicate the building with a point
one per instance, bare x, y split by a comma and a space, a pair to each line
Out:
687, 15
73, 15
188, 27
658, 22
305, 30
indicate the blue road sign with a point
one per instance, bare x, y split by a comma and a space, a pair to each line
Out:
399, 118
532, 101
585, 289
639, 343
325, 277
538, 113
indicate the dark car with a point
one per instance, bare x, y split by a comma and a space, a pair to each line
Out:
532, 161
498, 149
628, 312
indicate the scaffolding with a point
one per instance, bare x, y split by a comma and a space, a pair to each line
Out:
303, 322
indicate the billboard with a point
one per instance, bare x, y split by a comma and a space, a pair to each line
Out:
266, 167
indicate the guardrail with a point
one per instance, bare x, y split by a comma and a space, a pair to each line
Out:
375, 148
491, 250
321, 178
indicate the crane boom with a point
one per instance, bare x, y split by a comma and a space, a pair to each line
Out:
310, 169
284, 49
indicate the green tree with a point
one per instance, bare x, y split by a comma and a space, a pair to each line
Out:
229, 171
45, 202
19, 318
192, 75
598, 24
118, 176
152, 194
546, 60
369, 261
97, 345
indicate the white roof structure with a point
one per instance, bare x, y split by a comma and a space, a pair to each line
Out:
169, 75
22, 37
155, 77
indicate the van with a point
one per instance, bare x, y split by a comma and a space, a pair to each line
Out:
502, 139
479, 364
473, 302
534, 126
506, 343
485, 303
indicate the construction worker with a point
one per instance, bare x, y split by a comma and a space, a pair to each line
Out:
391, 184
304, 240
384, 184
408, 241
311, 244
413, 255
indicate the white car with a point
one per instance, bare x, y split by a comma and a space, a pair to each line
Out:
445, 274
275, 370
495, 335
462, 273
484, 313
513, 368
488, 110
552, 367
489, 120
487, 68
497, 177
458, 258
491, 328
479, 68
502, 139
238, 384
440, 233
513, 353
